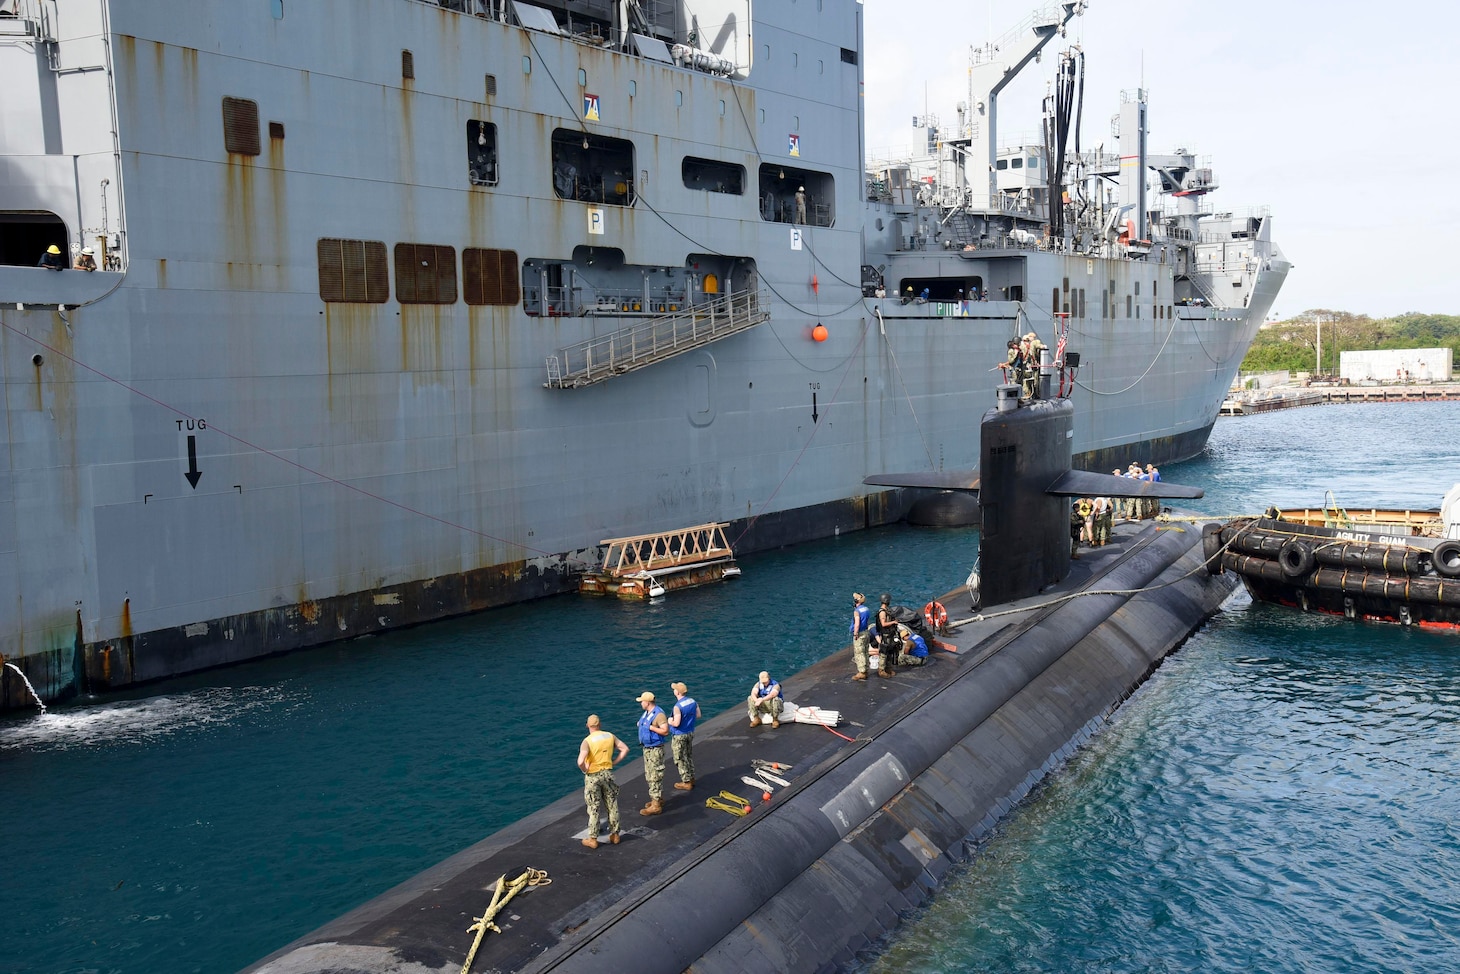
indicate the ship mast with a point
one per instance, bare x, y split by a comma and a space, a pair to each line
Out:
995, 64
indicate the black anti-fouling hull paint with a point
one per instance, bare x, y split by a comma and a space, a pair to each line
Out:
827, 870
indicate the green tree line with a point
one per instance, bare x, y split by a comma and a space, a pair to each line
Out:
1291, 344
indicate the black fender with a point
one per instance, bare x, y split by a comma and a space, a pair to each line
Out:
1295, 558
1447, 558
1211, 548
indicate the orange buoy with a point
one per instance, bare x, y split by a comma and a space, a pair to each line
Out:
819, 332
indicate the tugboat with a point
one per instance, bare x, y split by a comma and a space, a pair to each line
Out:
1366, 568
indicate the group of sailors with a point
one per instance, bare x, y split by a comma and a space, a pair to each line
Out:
1091, 518
53, 260
1021, 365
895, 642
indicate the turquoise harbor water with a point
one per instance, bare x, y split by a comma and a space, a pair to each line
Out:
1277, 798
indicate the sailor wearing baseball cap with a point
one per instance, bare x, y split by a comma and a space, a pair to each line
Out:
653, 729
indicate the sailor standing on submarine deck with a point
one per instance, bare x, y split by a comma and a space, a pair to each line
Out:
682, 735
597, 755
653, 729
861, 634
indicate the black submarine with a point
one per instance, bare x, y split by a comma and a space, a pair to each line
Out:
872, 816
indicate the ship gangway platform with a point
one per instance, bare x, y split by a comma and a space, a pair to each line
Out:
655, 339
648, 565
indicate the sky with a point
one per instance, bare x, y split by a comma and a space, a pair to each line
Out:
1340, 116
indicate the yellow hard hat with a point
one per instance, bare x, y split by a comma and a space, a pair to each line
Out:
53, 249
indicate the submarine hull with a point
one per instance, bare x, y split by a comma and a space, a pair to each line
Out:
867, 829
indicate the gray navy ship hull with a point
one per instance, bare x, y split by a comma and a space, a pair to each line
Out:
351, 253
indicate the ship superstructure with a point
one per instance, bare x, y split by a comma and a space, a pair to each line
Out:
402, 306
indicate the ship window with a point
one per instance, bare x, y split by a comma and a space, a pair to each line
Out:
241, 126
407, 65
582, 77
1055, 303
678, 98
778, 188
1082, 302
425, 274
939, 288
481, 153
25, 235
1002, 164
276, 130
633, 87
489, 276
762, 116
352, 271
1128, 313
1066, 286
713, 176
849, 56
491, 86
796, 122
276, 7
1016, 163
593, 168
526, 64
722, 108
795, 59
820, 66
1138, 288
1104, 303
1033, 162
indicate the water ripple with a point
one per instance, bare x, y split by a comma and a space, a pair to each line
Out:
139, 721
1281, 811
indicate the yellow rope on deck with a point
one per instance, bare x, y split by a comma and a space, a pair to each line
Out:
531, 877
724, 803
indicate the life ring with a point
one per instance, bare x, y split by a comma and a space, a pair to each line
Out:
935, 615
1447, 558
1295, 558
1211, 548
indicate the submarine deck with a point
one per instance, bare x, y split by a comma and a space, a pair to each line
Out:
422, 924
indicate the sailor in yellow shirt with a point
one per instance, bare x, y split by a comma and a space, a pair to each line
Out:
597, 755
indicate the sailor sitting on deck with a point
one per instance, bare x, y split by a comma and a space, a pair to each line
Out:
765, 698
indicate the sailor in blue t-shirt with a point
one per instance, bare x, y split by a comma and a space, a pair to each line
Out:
914, 647
861, 634
653, 729
682, 735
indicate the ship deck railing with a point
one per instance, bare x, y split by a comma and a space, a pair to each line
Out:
652, 340
666, 550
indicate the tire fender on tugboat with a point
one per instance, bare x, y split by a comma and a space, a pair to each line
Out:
1211, 548
1447, 558
1295, 558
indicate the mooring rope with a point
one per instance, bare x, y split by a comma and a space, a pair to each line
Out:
531, 877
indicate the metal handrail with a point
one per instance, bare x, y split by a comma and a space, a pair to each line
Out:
654, 339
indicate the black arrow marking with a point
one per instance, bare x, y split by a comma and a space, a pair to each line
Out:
814, 414
193, 474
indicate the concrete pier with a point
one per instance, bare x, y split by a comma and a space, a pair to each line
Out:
866, 830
